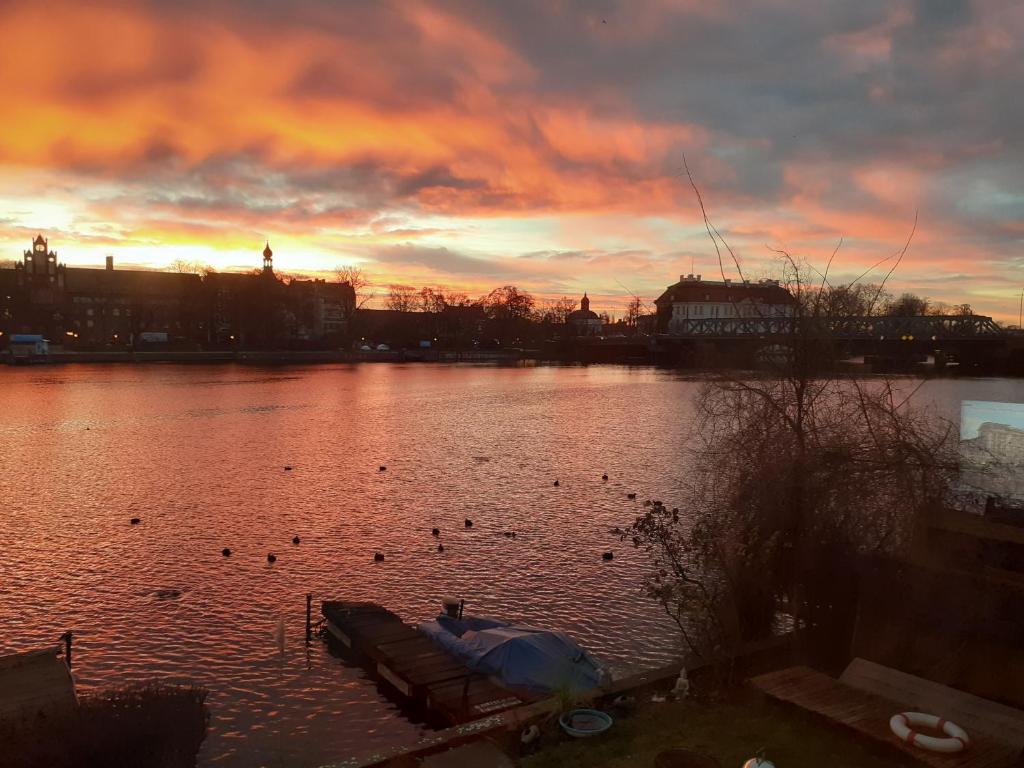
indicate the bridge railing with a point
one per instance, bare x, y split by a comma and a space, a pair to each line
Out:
922, 327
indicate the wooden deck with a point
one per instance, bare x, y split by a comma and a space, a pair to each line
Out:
414, 666
867, 713
34, 682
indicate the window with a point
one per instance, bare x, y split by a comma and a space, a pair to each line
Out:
117, 312
88, 311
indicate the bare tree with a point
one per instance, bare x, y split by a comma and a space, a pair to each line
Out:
795, 473
457, 299
433, 299
556, 311
509, 312
853, 300
185, 267
508, 303
907, 305
634, 311
359, 281
402, 298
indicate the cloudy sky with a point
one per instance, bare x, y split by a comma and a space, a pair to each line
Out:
536, 143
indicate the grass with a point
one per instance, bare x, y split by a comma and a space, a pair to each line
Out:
731, 732
148, 726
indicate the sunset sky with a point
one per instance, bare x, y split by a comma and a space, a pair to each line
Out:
536, 143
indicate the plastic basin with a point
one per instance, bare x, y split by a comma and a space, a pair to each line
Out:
581, 723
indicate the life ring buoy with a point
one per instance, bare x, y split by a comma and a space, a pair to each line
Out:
903, 724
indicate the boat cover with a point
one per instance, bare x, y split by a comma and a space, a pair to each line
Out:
521, 656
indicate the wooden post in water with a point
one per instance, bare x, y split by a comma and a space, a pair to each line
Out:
309, 614
66, 637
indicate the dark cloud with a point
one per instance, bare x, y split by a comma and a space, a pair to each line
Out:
443, 260
799, 120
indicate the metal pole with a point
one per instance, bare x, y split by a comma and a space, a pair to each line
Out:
309, 621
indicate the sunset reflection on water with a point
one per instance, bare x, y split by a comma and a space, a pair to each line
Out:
198, 453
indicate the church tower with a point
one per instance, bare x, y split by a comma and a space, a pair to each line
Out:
585, 303
39, 268
268, 260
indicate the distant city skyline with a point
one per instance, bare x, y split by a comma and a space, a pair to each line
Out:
474, 145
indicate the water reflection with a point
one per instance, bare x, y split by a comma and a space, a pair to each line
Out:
198, 454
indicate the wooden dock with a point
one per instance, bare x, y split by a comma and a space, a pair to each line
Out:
414, 666
868, 694
33, 682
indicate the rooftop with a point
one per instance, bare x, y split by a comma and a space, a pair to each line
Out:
692, 288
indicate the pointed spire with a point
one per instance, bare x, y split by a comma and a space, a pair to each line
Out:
268, 260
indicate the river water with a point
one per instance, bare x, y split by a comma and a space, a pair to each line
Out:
198, 453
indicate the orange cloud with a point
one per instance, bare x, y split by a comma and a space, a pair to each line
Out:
495, 136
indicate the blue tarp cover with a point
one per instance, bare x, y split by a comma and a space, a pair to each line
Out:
524, 657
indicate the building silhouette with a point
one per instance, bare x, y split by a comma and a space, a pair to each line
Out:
694, 300
584, 321
92, 307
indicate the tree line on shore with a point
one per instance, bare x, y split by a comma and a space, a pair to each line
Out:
854, 299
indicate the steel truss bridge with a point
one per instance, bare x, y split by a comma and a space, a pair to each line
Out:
917, 328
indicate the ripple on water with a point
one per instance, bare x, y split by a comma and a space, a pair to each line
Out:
197, 453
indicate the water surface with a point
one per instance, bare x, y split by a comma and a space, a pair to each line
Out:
198, 453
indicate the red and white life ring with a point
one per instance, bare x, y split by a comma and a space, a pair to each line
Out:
902, 725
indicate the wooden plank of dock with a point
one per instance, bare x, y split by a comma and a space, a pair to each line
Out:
34, 682
868, 714
414, 666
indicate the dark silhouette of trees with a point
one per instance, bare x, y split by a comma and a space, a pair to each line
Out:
359, 281
634, 311
509, 313
795, 472
508, 303
186, 267
907, 305
402, 298
556, 311
854, 300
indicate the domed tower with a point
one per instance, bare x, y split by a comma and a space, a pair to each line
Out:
585, 303
268, 260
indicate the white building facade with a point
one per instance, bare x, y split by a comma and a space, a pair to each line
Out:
695, 306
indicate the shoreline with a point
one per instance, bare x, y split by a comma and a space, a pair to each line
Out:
493, 357
267, 357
